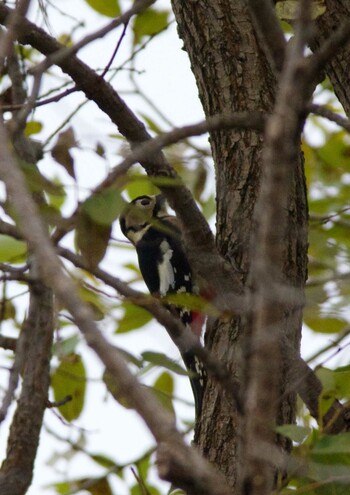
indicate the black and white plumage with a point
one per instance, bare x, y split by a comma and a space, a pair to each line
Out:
164, 267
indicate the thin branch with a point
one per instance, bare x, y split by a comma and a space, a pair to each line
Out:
266, 273
144, 151
8, 343
66, 52
106, 69
334, 342
40, 103
324, 112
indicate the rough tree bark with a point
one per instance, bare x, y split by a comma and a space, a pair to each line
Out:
337, 69
233, 74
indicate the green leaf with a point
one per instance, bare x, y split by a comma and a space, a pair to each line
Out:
333, 449
134, 317
69, 379
323, 324
164, 383
163, 388
160, 359
109, 8
143, 466
10, 249
7, 310
141, 490
149, 23
295, 433
103, 461
335, 382
92, 239
139, 185
33, 127
104, 207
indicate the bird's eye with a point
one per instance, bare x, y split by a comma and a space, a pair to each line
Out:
145, 201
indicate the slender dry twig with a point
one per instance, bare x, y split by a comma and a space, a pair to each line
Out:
66, 52
115, 51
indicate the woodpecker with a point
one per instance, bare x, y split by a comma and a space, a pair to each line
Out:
165, 269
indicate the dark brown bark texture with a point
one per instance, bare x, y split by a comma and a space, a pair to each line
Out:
338, 68
233, 74
35, 347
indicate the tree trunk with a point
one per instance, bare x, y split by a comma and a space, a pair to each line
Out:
233, 74
338, 67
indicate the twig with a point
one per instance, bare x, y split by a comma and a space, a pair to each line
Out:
106, 69
59, 403
66, 52
324, 112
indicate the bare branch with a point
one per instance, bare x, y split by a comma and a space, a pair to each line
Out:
8, 343
266, 275
324, 112
145, 151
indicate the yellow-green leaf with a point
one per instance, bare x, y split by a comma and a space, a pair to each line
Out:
7, 310
104, 207
69, 379
134, 317
10, 249
160, 359
149, 23
33, 127
163, 389
109, 8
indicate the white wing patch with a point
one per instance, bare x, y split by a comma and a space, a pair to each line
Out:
165, 269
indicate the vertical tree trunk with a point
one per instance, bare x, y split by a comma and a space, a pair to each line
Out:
233, 74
